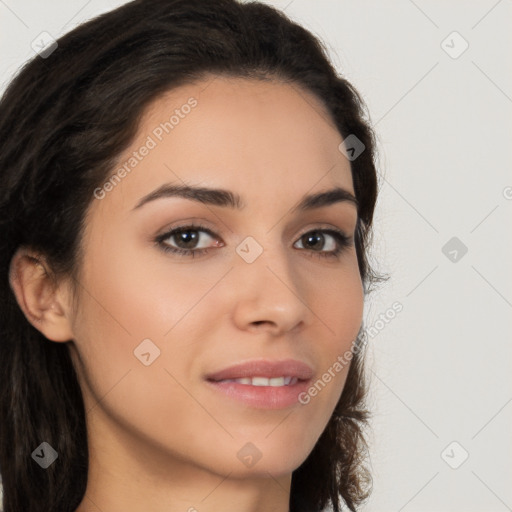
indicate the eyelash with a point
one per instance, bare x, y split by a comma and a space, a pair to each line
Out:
343, 241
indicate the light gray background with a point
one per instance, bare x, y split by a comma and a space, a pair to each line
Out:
441, 369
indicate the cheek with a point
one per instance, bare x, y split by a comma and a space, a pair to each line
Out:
126, 301
115, 314
114, 332
340, 310
341, 303
140, 292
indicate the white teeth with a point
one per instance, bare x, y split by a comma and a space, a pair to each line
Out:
260, 381
264, 381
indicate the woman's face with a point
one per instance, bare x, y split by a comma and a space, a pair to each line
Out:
261, 283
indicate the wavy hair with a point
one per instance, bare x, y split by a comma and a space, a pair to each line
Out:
64, 120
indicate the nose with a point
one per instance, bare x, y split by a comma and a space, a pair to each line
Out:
271, 294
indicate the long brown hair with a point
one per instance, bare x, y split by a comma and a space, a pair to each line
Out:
63, 121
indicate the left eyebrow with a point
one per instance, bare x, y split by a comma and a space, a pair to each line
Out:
228, 199
327, 198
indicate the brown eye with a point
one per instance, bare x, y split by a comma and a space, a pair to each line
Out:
316, 241
183, 240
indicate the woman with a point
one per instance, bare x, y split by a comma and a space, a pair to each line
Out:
187, 193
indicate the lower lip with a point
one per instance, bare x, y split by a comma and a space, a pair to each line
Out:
262, 397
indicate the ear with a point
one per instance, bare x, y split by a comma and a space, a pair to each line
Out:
44, 304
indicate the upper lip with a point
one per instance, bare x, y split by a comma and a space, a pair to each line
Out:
264, 368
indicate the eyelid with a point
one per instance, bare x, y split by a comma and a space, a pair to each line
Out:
195, 222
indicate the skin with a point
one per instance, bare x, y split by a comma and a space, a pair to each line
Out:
159, 438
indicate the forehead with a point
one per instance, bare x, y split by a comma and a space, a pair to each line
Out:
266, 140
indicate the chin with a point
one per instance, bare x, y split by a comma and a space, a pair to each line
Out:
253, 459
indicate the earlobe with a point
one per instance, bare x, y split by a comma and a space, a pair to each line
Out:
38, 295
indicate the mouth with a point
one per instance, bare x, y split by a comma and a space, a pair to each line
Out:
274, 382
258, 369
261, 392
263, 384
